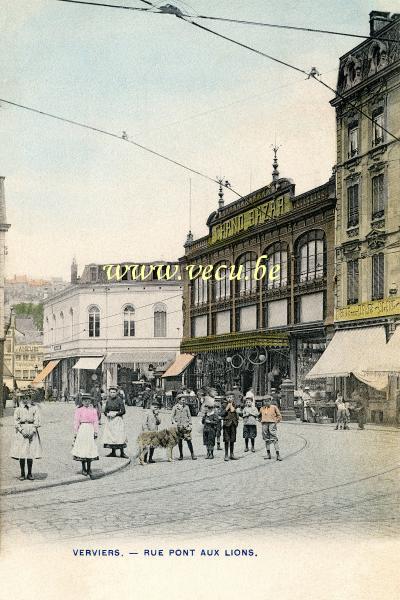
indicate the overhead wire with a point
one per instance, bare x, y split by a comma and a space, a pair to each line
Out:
156, 10
121, 137
312, 74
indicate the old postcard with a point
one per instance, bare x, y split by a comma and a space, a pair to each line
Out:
200, 299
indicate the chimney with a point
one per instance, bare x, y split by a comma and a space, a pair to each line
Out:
377, 20
74, 271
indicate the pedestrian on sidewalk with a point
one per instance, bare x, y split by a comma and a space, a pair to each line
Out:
361, 414
182, 418
114, 435
151, 423
95, 393
250, 416
341, 412
66, 395
26, 445
211, 423
86, 428
270, 416
231, 421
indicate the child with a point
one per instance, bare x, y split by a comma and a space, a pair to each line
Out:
218, 410
250, 416
231, 420
151, 423
26, 444
211, 421
86, 427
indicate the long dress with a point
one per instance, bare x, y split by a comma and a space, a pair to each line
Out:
26, 421
86, 425
114, 435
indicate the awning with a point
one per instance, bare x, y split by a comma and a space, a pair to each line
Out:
350, 351
46, 371
388, 361
90, 363
140, 356
180, 364
6, 371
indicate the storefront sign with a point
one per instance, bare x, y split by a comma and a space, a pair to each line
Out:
255, 216
369, 310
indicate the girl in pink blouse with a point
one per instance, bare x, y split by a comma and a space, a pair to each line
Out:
86, 427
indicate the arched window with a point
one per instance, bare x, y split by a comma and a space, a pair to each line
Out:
277, 257
54, 329
160, 320
94, 321
245, 265
71, 316
199, 291
61, 333
310, 256
222, 284
129, 321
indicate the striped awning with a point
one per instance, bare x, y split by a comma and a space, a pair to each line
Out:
180, 364
46, 371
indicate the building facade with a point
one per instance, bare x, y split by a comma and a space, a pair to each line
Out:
367, 232
258, 333
110, 331
23, 352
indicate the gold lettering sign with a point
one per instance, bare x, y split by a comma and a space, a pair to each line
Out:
255, 216
368, 310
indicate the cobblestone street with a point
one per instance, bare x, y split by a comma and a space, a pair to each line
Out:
345, 482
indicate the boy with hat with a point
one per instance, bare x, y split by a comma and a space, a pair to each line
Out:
182, 419
270, 417
211, 422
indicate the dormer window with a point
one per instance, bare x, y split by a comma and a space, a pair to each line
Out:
353, 140
93, 274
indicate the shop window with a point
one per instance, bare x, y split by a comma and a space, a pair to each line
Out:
277, 256
129, 321
199, 291
160, 320
377, 126
352, 282
378, 276
378, 198
18, 374
245, 266
353, 140
310, 256
25, 374
94, 321
352, 206
221, 284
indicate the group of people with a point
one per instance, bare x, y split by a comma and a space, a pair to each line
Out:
225, 419
217, 419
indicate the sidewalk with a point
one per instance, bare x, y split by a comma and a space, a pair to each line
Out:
57, 466
352, 425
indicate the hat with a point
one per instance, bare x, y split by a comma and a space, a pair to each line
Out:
229, 393
209, 402
306, 388
113, 387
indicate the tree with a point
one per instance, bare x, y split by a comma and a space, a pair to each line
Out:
29, 309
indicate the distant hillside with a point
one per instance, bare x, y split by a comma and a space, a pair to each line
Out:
28, 309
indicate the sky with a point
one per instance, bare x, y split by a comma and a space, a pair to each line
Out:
181, 91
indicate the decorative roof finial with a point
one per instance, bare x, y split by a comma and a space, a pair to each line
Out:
222, 184
275, 171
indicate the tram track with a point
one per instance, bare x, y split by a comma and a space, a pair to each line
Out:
160, 487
